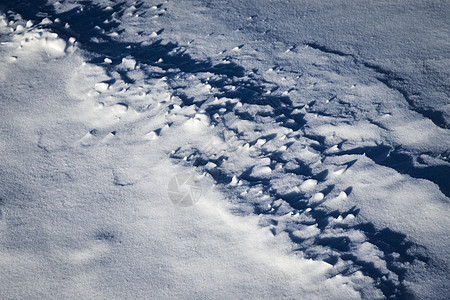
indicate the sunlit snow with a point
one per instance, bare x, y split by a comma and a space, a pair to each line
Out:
224, 149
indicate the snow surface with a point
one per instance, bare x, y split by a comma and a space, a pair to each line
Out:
312, 137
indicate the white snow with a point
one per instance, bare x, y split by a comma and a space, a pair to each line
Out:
302, 139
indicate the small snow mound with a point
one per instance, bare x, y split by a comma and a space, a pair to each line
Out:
120, 108
196, 123
234, 181
348, 218
317, 197
151, 136
128, 63
332, 149
101, 87
19, 28
260, 142
340, 170
54, 47
260, 171
308, 185
342, 196
46, 21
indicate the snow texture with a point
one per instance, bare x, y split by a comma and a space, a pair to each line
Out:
224, 150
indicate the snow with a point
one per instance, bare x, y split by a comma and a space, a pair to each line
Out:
406, 40
212, 150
